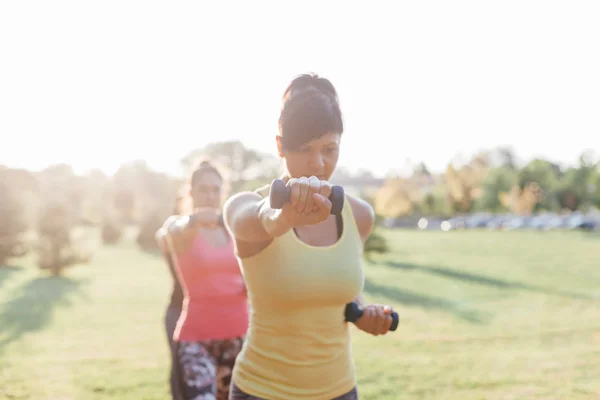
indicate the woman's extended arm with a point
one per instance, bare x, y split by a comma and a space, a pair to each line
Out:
179, 231
376, 319
365, 220
161, 234
250, 219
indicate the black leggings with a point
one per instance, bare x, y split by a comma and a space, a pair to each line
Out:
171, 317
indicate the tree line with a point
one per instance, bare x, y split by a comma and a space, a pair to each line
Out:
493, 182
44, 212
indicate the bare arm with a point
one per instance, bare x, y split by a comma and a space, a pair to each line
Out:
365, 220
376, 319
250, 219
161, 234
178, 231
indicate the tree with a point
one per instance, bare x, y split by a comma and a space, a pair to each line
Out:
59, 183
499, 180
238, 162
433, 203
463, 184
545, 175
421, 169
158, 193
124, 203
522, 200
24, 186
112, 230
594, 188
145, 196
576, 187
125, 188
97, 198
396, 198
502, 157
13, 227
56, 248
138, 190
146, 238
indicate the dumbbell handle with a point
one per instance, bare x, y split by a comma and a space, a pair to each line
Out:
353, 312
280, 194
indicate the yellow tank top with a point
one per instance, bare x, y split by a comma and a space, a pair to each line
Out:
298, 345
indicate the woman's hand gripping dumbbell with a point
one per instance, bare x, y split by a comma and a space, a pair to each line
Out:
353, 312
306, 201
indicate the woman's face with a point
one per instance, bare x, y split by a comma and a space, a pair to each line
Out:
207, 191
318, 157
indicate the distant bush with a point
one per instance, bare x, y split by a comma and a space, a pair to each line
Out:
112, 231
376, 243
56, 248
13, 226
146, 236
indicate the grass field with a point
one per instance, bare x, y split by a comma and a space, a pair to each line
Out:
484, 315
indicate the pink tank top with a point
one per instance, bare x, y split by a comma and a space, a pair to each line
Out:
215, 304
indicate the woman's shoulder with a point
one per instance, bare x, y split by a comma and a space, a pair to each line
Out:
363, 214
241, 199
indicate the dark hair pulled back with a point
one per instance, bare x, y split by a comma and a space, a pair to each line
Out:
310, 109
204, 168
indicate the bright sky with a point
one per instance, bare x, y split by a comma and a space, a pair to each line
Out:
95, 84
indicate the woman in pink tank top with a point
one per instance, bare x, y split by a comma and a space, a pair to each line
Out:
210, 331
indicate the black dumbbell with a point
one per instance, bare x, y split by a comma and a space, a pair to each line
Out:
280, 194
353, 312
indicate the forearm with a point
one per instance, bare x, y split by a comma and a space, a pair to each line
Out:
173, 224
180, 233
251, 219
271, 221
162, 235
159, 237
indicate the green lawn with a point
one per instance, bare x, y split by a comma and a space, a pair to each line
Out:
484, 315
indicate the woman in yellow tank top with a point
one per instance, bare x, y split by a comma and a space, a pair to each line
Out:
301, 264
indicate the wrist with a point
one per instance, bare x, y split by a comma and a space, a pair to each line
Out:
281, 223
360, 301
273, 221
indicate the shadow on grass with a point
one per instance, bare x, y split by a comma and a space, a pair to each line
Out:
591, 235
6, 271
152, 252
488, 281
31, 308
414, 299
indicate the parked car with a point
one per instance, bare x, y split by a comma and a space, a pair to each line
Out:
545, 221
582, 222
